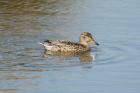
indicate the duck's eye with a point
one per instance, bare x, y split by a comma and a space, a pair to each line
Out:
84, 37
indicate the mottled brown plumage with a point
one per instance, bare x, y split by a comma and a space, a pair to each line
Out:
67, 46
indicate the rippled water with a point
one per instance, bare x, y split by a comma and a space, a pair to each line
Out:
113, 67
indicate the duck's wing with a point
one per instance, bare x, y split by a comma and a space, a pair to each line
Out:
60, 43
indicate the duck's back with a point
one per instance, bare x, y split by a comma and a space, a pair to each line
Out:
64, 46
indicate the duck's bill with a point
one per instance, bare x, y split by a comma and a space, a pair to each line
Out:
96, 43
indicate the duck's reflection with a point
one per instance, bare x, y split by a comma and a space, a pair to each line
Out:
84, 57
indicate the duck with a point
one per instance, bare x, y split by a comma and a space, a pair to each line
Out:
83, 45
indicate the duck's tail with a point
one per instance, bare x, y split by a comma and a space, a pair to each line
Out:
46, 44
41, 43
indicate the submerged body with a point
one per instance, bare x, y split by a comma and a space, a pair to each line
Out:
67, 46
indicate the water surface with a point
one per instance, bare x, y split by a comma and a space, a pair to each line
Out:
113, 67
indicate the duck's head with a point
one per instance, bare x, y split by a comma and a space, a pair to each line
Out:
86, 39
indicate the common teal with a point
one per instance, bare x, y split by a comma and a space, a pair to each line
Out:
67, 46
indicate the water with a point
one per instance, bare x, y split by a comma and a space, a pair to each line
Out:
113, 67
